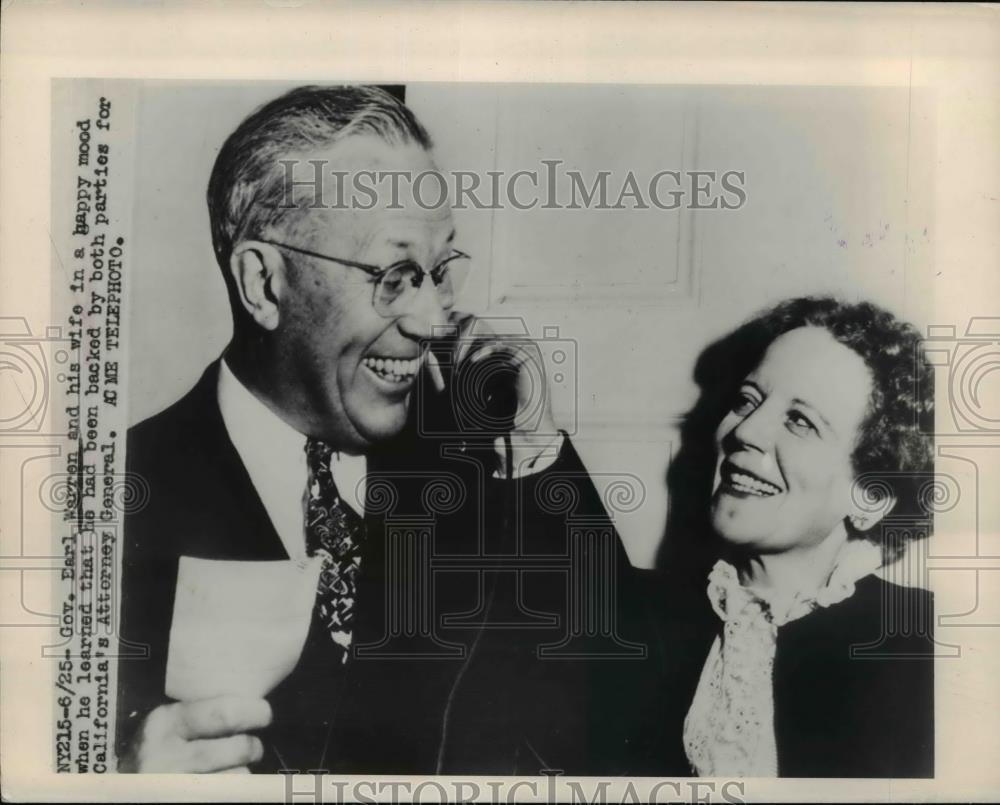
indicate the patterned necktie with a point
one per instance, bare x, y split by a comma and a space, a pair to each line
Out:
335, 530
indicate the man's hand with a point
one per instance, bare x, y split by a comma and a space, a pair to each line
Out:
534, 431
533, 422
209, 735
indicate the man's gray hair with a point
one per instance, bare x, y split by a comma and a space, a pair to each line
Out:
246, 188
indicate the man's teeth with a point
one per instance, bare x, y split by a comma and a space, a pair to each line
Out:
393, 369
752, 486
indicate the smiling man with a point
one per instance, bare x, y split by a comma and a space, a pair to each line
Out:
267, 460
343, 336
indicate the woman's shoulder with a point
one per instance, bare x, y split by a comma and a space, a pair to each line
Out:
898, 607
881, 619
874, 587
864, 667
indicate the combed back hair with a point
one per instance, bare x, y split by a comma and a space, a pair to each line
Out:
245, 190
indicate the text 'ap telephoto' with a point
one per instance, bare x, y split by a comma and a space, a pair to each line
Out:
493, 429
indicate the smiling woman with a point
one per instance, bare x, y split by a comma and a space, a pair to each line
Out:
803, 662
784, 471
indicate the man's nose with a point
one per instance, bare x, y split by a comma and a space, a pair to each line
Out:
426, 314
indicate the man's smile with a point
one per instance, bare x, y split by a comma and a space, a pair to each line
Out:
398, 372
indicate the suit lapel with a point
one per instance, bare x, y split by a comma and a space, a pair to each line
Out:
233, 521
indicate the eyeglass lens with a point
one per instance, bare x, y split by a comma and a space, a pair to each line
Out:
400, 283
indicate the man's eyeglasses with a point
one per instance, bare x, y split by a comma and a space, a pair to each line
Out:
397, 285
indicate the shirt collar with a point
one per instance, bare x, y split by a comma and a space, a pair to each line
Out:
260, 435
273, 453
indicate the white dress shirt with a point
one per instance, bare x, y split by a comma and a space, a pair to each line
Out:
274, 455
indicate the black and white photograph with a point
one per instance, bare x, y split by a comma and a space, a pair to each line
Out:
601, 437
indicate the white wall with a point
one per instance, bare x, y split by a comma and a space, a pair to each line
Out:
839, 199
833, 206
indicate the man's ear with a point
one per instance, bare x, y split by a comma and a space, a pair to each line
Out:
868, 513
258, 273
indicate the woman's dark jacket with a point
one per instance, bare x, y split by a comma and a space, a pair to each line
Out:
853, 683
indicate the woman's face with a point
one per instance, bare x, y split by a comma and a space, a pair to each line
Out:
783, 472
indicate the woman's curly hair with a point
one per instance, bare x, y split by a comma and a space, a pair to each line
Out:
895, 435
894, 448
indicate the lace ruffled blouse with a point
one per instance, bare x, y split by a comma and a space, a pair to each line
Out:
729, 729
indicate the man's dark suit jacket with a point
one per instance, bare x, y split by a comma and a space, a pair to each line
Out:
838, 713
489, 706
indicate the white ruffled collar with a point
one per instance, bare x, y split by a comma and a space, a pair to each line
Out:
855, 560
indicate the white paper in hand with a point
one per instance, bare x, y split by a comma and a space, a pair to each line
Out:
238, 627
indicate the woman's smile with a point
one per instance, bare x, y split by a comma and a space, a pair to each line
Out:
784, 470
743, 482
